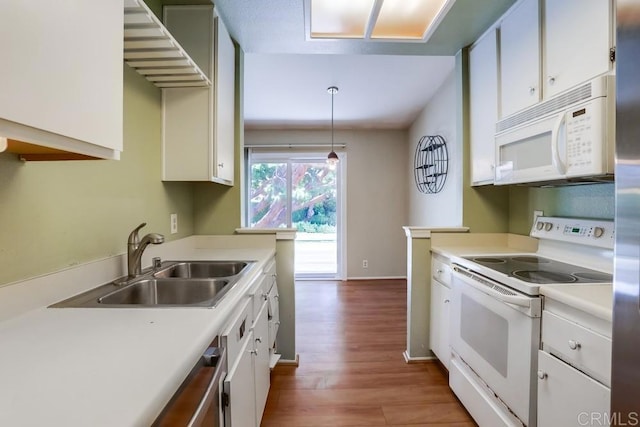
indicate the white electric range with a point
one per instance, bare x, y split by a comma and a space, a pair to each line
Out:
496, 310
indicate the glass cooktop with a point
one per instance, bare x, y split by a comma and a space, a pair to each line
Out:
535, 269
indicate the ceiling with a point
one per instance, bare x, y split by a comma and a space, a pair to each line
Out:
382, 84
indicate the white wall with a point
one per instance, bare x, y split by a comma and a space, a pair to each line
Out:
437, 118
376, 193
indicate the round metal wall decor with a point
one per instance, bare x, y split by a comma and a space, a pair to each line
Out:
431, 164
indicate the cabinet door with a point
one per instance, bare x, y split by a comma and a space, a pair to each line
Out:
262, 371
439, 325
520, 58
483, 101
240, 387
577, 39
186, 136
274, 314
224, 127
566, 396
62, 74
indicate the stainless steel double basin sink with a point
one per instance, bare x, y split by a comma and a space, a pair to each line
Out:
173, 284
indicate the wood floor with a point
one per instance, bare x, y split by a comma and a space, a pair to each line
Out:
350, 337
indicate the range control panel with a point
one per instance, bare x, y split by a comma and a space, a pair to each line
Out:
590, 232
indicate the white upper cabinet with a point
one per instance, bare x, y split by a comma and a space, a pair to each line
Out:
541, 56
520, 57
577, 40
199, 123
483, 101
225, 104
61, 75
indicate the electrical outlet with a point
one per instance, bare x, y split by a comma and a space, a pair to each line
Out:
174, 223
365, 263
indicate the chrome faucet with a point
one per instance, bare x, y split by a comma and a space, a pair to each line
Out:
135, 248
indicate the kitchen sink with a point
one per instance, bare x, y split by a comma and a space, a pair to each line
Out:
170, 284
154, 292
202, 269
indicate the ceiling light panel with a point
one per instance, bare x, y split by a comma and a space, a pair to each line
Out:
340, 18
406, 19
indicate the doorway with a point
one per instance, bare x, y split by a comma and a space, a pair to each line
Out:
301, 191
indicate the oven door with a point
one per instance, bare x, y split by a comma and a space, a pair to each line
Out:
496, 332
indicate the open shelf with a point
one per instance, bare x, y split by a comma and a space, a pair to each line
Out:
152, 51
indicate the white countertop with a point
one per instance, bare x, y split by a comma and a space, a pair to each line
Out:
596, 300
106, 366
450, 251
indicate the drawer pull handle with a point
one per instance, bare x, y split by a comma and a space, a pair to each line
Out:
542, 375
574, 345
259, 340
265, 296
439, 271
446, 301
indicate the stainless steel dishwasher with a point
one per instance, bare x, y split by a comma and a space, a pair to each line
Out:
198, 401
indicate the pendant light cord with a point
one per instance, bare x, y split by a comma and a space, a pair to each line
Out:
332, 93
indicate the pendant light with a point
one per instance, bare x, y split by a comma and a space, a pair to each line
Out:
332, 158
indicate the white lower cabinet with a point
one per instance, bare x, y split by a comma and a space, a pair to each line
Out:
566, 396
273, 315
440, 302
574, 365
239, 386
249, 338
261, 361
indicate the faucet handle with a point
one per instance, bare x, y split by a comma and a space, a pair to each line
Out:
134, 239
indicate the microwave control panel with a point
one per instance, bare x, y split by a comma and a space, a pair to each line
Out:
584, 136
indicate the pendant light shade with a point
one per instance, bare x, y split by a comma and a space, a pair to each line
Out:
332, 158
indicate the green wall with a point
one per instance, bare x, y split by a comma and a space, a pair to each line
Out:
583, 201
58, 214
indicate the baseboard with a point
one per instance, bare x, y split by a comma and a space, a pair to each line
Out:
377, 278
289, 362
409, 359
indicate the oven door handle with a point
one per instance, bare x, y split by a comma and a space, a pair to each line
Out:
491, 288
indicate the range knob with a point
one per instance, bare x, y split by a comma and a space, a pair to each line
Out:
598, 232
539, 225
548, 226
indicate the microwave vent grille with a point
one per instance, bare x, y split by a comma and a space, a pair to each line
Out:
578, 94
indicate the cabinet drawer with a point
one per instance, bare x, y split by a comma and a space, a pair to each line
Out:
234, 335
566, 396
586, 350
441, 271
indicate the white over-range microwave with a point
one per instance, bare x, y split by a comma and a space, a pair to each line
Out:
567, 139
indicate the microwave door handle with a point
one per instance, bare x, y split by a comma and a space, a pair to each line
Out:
555, 145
